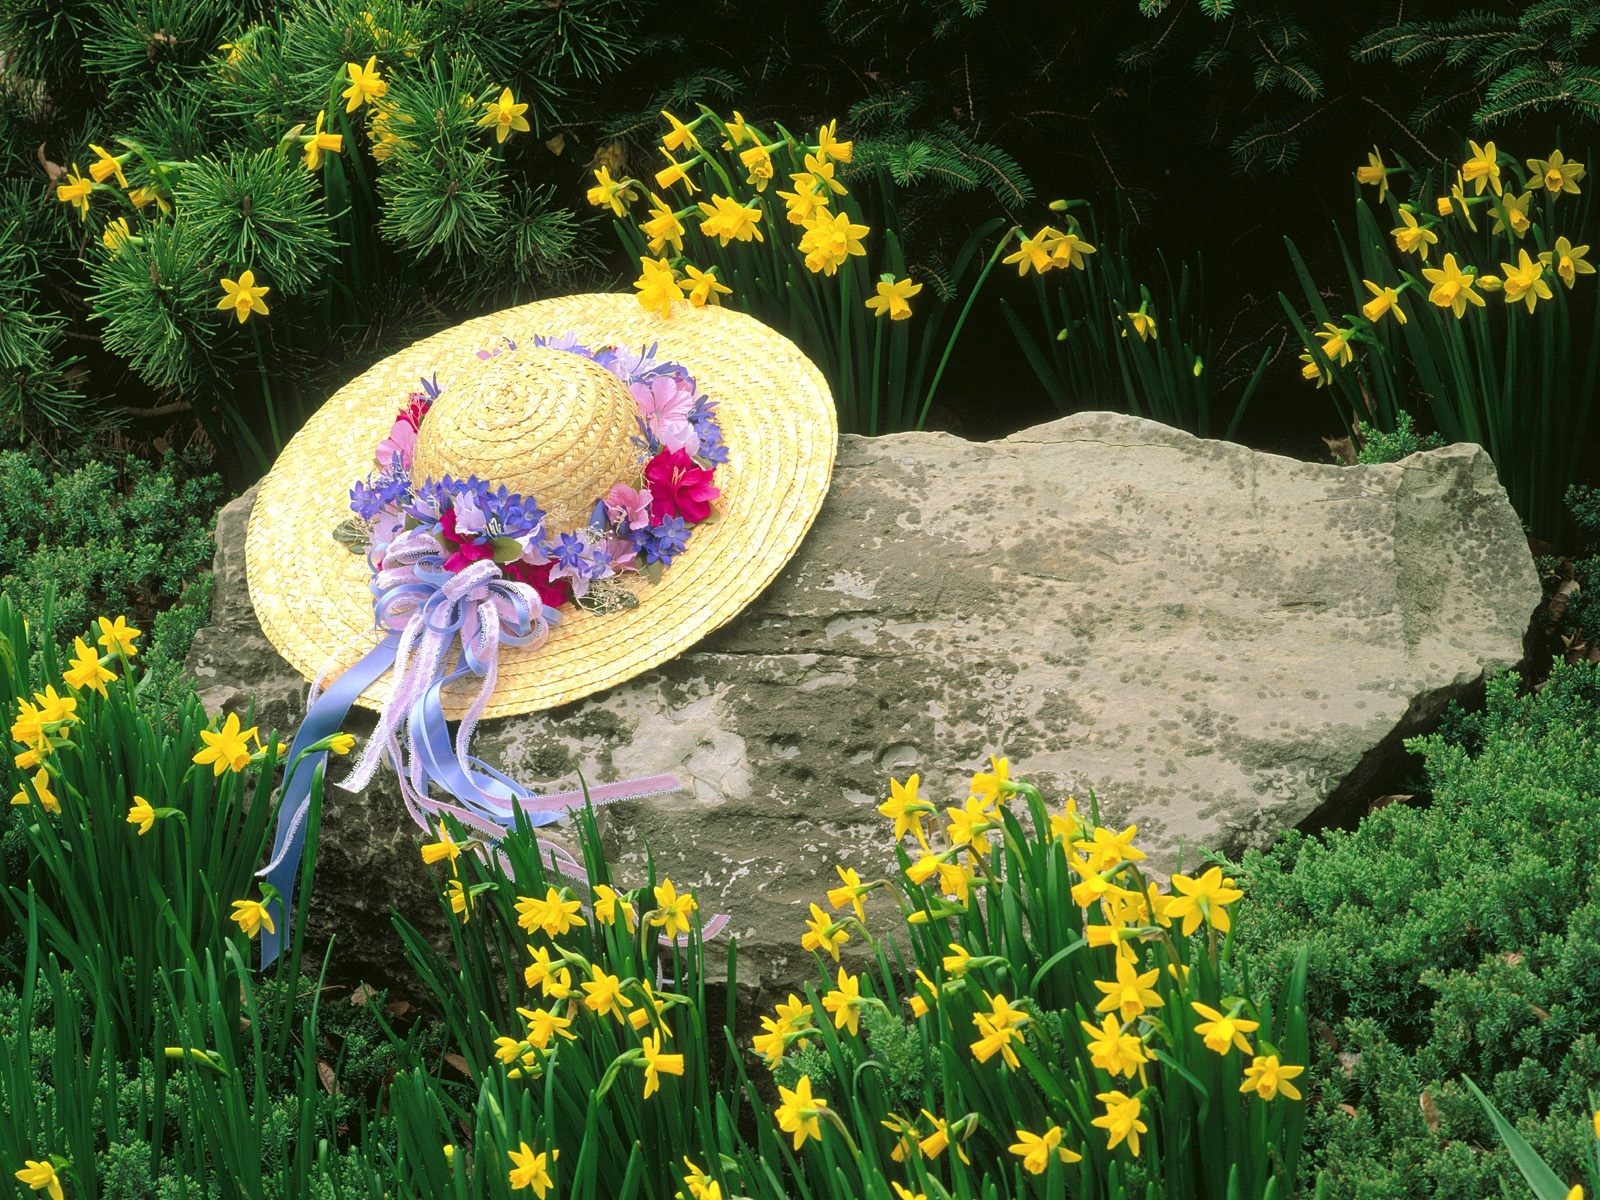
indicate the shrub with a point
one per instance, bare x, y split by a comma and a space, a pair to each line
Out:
1452, 940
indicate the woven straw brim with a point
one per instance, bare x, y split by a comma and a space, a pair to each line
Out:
312, 594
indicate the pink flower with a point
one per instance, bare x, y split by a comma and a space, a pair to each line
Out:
628, 505
679, 488
466, 551
623, 552
664, 404
401, 443
553, 592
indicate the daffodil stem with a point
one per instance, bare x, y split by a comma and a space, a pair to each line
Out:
955, 333
833, 1119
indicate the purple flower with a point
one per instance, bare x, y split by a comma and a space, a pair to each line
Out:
664, 542
377, 492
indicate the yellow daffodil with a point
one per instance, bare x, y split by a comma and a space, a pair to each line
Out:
704, 287
1143, 324
657, 1064
140, 813
1314, 371
87, 671
829, 240
829, 146
1106, 849
892, 297
1336, 343
727, 220
227, 749
758, 166
822, 933
252, 917
1488, 283
555, 913
738, 132
244, 296
1113, 1050
905, 809
680, 135
676, 172
342, 743
1131, 994
1121, 1120
997, 1030
611, 193
530, 1170
1569, 263
662, 227
1268, 1078
1384, 300
1412, 238
608, 904
504, 116
701, 1186
1375, 174
1037, 1149
365, 84
107, 166
1452, 288
115, 235
805, 202
1221, 1032
1525, 281
143, 197
822, 171
117, 636
845, 1002
1513, 210
41, 789
602, 995
674, 913
1556, 174
850, 892
76, 192
1444, 206
1033, 252
40, 1175
1068, 250
799, 1112
658, 286
1482, 168
318, 143
1204, 897
1460, 204
444, 849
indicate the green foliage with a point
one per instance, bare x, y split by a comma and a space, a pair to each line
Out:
1583, 609
129, 538
1451, 940
1532, 57
1380, 447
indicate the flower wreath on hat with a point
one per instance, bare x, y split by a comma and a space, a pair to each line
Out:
461, 568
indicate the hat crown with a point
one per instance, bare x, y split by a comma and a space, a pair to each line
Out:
550, 425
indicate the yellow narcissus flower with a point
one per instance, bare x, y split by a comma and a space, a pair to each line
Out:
727, 220
445, 848
1037, 1149
1375, 174
829, 240
1525, 281
1513, 209
107, 165
86, 670
504, 116
1205, 897
704, 287
530, 1170
823, 933
1555, 173
41, 788
658, 286
1069, 250
758, 165
1143, 324
1033, 252
602, 995
738, 132
117, 636
680, 135
845, 1002
701, 1186
1221, 1032
663, 227
252, 917
1483, 167
1452, 288
1336, 343
76, 192
227, 749
607, 905
1121, 1120
822, 171
905, 809
850, 892
1268, 1078
143, 197
244, 296
141, 814
1113, 1050
657, 1064
674, 913
365, 84
1411, 238
892, 298
1131, 994
828, 146
555, 913
1569, 264
317, 143
115, 235
805, 202
799, 1112
1384, 300
611, 193
1443, 206
40, 1175
676, 172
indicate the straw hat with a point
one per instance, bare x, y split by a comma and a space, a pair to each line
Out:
555, 427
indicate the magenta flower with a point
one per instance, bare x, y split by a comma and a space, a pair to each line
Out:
465, 551
679, 488
665, 403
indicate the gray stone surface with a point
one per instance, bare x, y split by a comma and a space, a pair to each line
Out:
1220, 643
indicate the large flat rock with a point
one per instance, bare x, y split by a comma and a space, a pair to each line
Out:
1220, 643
